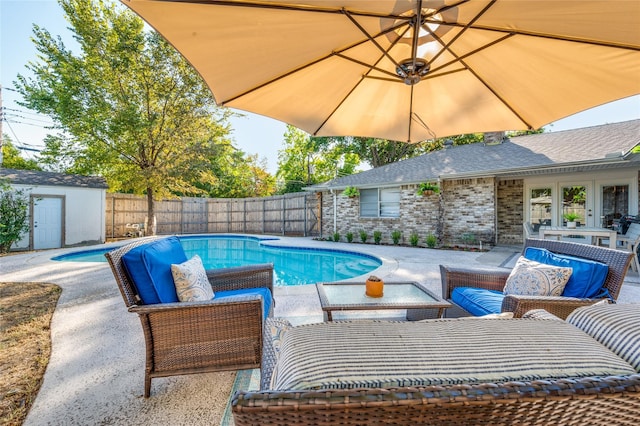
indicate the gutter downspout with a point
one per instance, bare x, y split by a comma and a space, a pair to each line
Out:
335, 211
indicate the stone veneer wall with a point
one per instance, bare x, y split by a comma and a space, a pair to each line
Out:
469, 211
510, 211
418, 214
464, 208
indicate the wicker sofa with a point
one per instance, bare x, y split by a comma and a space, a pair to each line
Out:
600, 399
494, 279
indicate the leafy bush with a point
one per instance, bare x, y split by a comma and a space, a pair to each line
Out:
431, 240
427, 188
363, 236
377, 236
351, 191
395, 236
349, 237
336, 236
413, 239
469, 238
13, 216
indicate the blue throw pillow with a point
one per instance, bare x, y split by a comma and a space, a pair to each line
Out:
587, 278
267, 298
149, 267
478, 301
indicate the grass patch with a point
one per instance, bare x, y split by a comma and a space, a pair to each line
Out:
25, 345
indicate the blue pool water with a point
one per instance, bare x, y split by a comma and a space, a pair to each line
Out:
292, 265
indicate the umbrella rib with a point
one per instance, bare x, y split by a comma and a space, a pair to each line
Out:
504, 102
410, 114
295, 70
371, 39
417, 22
371, 67
338, 106
549, 36
334, 53
465, 27
296, 8
473, 52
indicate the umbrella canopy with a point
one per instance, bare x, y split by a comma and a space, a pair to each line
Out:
407, 70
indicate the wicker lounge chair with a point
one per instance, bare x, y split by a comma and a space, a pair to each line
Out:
495, 279
196, 337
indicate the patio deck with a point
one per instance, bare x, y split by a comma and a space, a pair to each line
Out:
95, 375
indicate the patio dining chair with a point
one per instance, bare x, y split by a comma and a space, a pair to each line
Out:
628, 242
221, 334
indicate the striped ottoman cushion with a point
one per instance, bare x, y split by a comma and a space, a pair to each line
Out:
376, 354
615, 326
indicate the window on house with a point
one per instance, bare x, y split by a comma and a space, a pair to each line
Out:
380, 202
615, 204
540, 212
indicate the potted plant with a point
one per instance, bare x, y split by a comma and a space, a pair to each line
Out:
374, 286
428, 188
351, 191
571, 218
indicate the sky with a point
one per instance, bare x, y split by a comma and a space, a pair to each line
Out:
253, 134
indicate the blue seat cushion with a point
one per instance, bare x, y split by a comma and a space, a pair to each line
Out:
478, 301
149, 267
587, 278
267, 298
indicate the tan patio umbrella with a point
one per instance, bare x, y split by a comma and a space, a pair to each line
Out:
358, 68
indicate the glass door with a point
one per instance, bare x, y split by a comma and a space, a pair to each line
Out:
540, 200
576, 205
615, 204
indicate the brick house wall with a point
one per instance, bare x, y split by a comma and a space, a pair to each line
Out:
510, 211
469, 211
463, 213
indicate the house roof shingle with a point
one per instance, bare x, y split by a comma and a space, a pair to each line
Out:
570, 149
34, 177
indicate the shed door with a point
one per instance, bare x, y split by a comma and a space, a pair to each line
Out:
47, 223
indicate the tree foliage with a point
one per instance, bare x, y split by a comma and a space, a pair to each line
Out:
11, 158
13, 216
307, 160
129, 106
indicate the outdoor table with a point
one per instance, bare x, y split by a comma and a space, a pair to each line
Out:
350, 296
588, 232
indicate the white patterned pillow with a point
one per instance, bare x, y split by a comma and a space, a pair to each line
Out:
191, 281
530, 278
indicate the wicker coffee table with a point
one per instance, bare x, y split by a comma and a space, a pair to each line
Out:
397, 295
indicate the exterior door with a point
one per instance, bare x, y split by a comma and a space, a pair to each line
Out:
578, 199
47, 222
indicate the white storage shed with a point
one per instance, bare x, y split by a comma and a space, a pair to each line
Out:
64, 210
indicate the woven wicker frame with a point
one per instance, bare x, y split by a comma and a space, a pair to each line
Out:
590, 401
495, 279
197, 337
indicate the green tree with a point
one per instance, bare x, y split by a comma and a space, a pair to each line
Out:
238, 175
378, 152
11, 158
307, 160
129, 105
13, 216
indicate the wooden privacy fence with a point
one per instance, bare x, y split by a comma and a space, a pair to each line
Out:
295, 214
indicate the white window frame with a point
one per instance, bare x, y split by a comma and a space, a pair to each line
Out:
594, 182
380, 202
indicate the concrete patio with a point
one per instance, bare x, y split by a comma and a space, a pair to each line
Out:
95, 375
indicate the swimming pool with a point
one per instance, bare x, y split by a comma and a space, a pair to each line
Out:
292, 265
